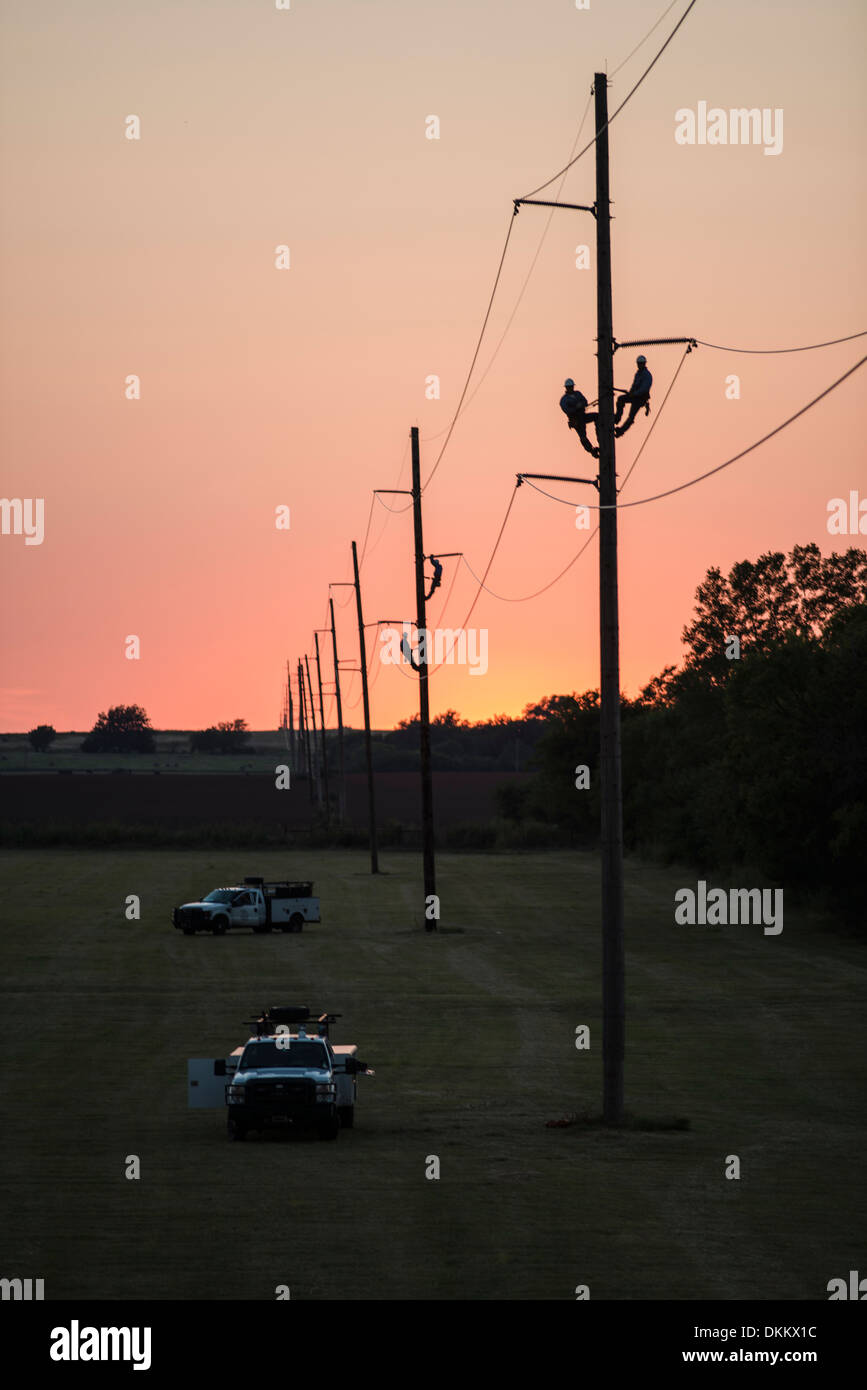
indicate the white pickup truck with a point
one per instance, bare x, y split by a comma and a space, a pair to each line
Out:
280, 1078
263, 906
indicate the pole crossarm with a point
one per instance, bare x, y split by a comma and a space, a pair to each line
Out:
654, 342
546, 203
556, 478
402, 491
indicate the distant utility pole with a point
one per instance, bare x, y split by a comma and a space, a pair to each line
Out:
613, 956
322, 726
292, 751
368, 747
312, 709
427, 817
342, 794
304, 731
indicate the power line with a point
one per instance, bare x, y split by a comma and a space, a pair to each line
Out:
809, 347
616, 113
484, 577
643, 41
641, 501
563, 171
394, 510
366, 533
478, 346
525, 598
429, 438
655, 420
572, 160
560, 172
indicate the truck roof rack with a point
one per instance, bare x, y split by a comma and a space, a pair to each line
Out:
270, 1018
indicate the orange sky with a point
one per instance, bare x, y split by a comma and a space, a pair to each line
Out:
262, 387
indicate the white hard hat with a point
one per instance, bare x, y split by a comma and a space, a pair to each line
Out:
568, 381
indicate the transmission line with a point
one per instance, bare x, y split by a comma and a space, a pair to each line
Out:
615, 113
641, 501
478, 347
643, 41
809, 347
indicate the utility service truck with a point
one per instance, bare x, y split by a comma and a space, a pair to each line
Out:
263, 906
280, 1078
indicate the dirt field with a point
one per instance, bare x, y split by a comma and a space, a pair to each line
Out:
177, 799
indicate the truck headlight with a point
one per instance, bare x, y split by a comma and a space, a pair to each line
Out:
235, 1094
325, 1090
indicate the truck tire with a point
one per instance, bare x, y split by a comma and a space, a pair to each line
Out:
296, 922
347, 1115
219, 925
329, 1129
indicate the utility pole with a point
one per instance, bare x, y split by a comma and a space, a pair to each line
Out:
322, 727
304, 731
368, 747
342, 794
292, 758
427, 820
613, 957
312, 709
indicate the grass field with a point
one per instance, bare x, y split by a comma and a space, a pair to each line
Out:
759, 1041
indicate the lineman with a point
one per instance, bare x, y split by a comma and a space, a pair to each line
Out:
574, 407
437, 579
637, 396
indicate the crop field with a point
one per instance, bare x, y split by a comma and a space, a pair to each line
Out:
757, 1041
178, 802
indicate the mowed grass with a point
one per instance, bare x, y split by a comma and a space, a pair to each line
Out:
759, 1041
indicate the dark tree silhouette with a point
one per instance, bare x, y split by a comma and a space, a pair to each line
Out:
230, 736
42, 737
766, 601
122, 729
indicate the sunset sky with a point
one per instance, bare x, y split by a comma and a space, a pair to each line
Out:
263, 387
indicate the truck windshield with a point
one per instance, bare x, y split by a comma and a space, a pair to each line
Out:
259, 1055
221, 895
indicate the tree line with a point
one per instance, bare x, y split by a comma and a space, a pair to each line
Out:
752, 751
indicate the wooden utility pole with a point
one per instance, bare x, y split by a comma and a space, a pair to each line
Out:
304, 731
292, 750
427, 820
613, 964
342, 792
311, 707
368, 747
322, 727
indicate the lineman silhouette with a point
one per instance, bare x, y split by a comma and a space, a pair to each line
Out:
437, 579
637, 396
574, 407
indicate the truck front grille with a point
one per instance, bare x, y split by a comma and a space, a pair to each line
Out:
189, 916
277, 1093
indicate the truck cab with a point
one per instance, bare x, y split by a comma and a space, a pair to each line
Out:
282, 1079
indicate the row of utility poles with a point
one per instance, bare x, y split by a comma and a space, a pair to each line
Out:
613, 967
306, 748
